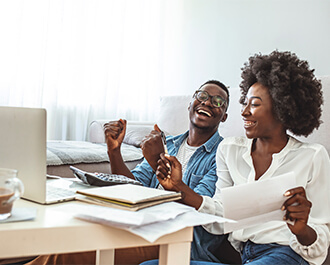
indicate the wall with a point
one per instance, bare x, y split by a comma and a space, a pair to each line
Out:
217, 36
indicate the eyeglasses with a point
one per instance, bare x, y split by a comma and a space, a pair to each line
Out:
216, 100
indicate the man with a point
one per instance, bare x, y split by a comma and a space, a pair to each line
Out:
195, 150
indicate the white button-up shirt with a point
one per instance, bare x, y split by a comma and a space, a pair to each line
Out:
311, 166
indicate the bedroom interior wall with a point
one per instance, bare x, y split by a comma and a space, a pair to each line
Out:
217, 37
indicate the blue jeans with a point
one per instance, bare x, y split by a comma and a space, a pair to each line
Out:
275, 254
193, 262
258, 254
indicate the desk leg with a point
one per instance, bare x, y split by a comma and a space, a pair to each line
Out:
175, 254
105, 257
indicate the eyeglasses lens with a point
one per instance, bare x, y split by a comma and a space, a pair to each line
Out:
202, 96
216, 101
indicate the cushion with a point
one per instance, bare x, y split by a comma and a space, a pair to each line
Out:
233, 126
135, 131
173, 117
96, 133
135, 134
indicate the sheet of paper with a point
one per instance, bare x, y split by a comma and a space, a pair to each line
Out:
149, 223
258, 202
154, 231
118, 217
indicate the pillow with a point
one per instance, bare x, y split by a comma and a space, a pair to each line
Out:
135, 134
173, 117
233, 126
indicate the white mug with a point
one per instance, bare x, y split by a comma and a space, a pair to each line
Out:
11, 189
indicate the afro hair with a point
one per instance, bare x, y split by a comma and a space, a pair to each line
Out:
296, 93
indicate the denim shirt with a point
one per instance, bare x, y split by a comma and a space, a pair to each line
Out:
200, 176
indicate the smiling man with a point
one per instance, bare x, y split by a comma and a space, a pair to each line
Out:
195, 150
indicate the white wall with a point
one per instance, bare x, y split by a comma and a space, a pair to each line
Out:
218, 36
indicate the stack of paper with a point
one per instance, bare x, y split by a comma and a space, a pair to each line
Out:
150, 223
127, 196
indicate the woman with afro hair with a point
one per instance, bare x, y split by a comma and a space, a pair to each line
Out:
279, 94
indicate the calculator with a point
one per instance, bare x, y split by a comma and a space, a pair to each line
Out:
102, 179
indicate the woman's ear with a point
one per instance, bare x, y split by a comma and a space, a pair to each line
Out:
189, 105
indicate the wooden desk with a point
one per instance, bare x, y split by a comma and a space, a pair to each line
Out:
56, 232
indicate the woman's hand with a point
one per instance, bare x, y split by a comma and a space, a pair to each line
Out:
297, 210
169, 172
114, 132
152, 147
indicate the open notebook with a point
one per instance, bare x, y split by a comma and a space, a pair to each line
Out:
23, 147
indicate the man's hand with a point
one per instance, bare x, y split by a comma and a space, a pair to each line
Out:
152, 147
169, 175
114, 132
169, 172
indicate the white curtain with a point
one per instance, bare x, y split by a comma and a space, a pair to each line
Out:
83, 60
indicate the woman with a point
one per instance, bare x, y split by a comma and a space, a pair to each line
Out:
279, 95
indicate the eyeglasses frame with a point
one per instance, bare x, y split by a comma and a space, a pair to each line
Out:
210, 97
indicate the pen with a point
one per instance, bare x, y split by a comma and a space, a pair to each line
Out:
164, 141
166, 151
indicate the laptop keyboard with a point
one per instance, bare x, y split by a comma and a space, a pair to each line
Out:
55, 193
62, 189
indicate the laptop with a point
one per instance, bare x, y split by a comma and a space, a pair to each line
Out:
23, 147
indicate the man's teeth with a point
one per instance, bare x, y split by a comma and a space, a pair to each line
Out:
204, 112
